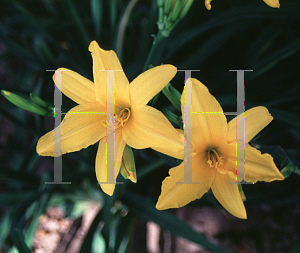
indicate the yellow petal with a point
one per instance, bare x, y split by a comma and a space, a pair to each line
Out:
75, 86
207, 4
101, 161
81, 127
177, 195
148, 84
228, 195
108, 60
260, 167
209, 127
256, 119
272, 3
148, 127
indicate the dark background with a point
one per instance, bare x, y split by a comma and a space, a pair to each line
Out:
36, 36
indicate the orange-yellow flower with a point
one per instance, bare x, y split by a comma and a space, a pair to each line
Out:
271, 3
214, 155
136, 124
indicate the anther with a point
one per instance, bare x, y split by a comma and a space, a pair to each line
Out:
213, 159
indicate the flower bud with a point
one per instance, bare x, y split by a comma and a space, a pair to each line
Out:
15, 99
127, 169
160, 3
289, 169
29, 105
176, 10
171, 13
168, 6
38, 101
186, 7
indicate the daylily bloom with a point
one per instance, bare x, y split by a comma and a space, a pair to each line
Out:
214, 155
271, 3
136, 124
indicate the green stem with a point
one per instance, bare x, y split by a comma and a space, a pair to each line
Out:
156, 41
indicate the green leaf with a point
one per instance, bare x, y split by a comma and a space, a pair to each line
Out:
261, 44
173, 96
17, 49
13, 198
144, 208
49, 6
8, 175
123, 233
96, 9
228, 18
78, 208
119, 39
107, 218
71, 7
171, 116
39, 210
272, 60
98, 244
213, 43
13, 250
17, 236
16, 121
43, 51
5, 226
113, 15
19, 218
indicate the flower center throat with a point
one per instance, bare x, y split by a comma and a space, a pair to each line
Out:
213, 159
120, 120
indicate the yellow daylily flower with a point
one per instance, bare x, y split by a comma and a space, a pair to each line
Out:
271, 3
136, 124
214, 155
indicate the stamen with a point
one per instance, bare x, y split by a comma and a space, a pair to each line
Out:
120, 120
213, 159
104, 122
123, 117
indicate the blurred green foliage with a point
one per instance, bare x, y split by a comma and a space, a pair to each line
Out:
40, 35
